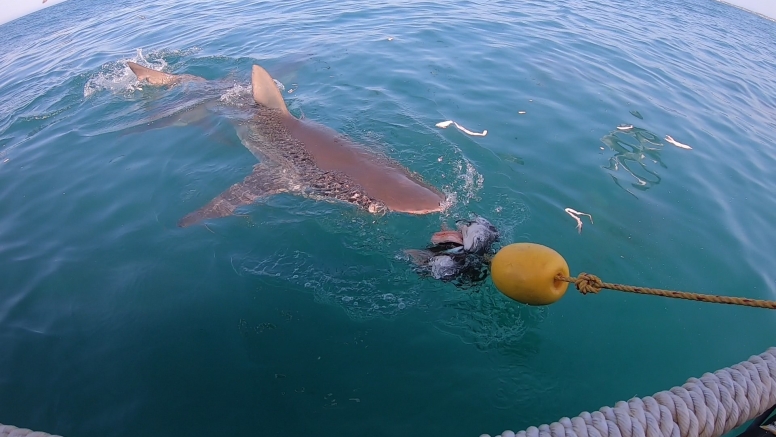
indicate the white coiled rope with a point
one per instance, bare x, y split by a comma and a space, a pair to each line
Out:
707, 407
12, 431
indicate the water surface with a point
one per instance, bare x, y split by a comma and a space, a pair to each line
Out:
302, 317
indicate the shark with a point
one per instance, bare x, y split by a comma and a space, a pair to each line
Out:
306, 158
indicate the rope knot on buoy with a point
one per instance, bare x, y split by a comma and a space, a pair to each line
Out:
587, 283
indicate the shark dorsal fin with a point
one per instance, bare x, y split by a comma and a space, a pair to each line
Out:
265, 92
152, 76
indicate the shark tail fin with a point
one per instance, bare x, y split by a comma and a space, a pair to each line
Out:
265, 92
152, 76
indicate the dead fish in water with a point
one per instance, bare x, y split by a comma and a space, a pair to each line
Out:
444, 236
444, 266
478, 235
457, 254
448, 264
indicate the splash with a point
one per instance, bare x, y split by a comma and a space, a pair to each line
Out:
238, 95
242, 95
472, 181
117, 78
464, 188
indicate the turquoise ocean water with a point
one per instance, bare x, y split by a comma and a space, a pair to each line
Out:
301, 317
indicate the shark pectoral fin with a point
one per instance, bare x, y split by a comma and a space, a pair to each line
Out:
265, 92
262, 182
198, 114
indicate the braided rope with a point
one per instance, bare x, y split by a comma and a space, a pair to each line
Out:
587, 283
707, 407
12, 431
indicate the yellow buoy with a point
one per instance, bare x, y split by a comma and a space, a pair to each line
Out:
526, 273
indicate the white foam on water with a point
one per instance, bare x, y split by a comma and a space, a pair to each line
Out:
472, 180
240, 95
116, 76
465, 187
237, 95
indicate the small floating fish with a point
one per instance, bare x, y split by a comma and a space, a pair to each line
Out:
625, 127
446, 124
575, 215
677, 143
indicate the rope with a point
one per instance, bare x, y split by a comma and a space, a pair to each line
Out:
12, 431
707, 407
587, 283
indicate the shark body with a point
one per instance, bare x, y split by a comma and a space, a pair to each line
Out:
302, 157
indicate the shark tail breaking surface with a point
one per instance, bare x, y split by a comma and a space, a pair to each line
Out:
155, 77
